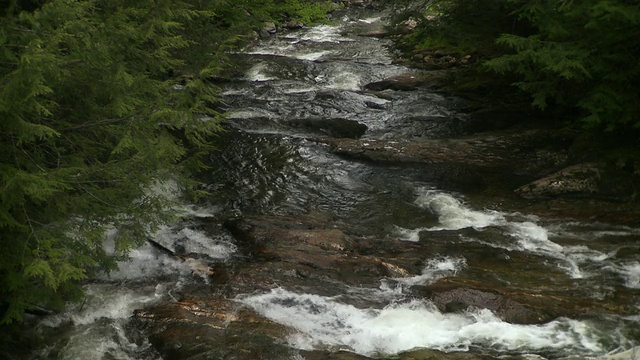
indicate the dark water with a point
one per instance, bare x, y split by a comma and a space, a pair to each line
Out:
268, 163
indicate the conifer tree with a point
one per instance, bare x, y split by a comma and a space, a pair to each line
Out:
101, 102
91, 121
579, 56
584, 54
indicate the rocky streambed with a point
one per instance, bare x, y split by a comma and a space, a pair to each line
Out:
356, 213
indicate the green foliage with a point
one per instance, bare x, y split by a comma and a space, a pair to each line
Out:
308, 12
460, 25
101, 103
584, 54
89, 125
579, 56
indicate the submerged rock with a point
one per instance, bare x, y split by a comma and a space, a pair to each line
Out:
405, 82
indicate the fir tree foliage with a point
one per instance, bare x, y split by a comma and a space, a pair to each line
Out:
89, 119
101, 102
584, 54
579, 56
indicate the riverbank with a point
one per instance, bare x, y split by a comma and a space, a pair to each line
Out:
585, 173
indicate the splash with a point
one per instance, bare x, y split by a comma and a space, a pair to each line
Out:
529, 236
453, 215
321, 322
434, 269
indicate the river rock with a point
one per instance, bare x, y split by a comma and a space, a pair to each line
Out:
403, 82
513, 151
292, 25
192, 329
379, 33
310, 250
270, 28
407, 25
580, 179
428, 354
454, 297
419, 354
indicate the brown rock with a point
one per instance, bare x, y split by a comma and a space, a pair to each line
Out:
292, 25
190, 328
450, 297
581, 179
428, 354
404, 82
514, 151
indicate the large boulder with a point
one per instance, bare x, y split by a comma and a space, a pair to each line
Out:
517, 152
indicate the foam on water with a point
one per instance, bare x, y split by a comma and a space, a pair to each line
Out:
324, 33
98, 322
94, 344
344, 81
110, 301
529, 236
257, 73
435, 269
412, 235
146, 263
370, 20
105, 301
631, 272
322, 321
312, 56
221, 247
453, 215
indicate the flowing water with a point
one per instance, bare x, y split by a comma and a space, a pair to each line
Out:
268, 163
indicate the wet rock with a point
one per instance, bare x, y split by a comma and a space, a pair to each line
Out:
292, 25
357, 3
452, 297
196, 328
518, 305
419, 354
428, 354
264, 34
336, 127
593, 181
326, 355
408, 25
270, 28
512, 151
404, 82
581, 179
305, 252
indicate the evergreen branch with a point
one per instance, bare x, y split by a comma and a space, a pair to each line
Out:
70, 62
97, 198
98, 123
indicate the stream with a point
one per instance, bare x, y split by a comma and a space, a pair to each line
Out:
395, 260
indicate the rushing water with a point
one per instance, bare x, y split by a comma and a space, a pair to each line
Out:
267, 164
